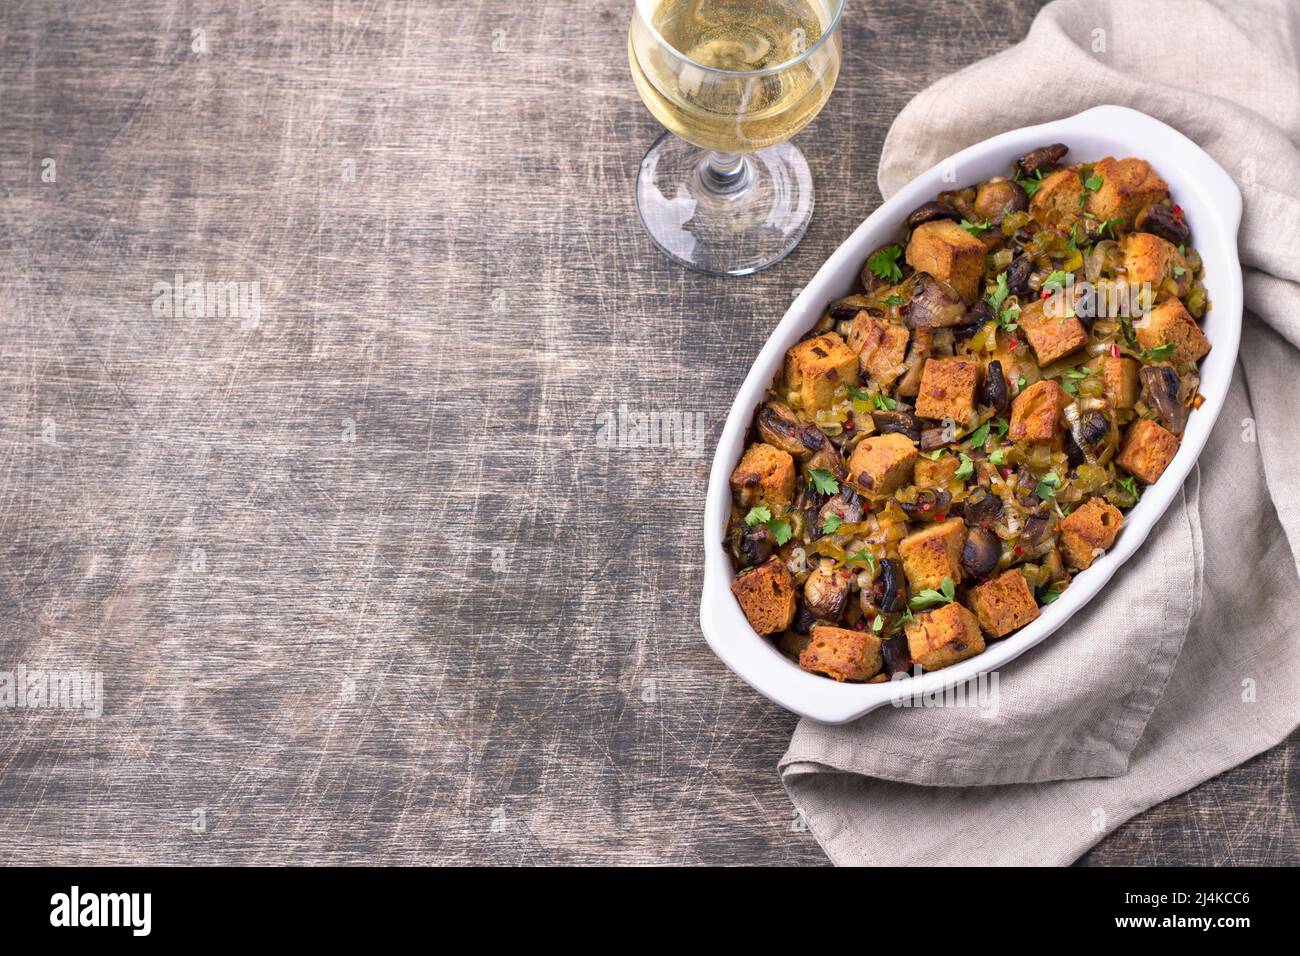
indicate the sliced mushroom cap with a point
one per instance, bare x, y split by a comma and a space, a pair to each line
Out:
897, 655
1088, 435
1018, 273
756, 545
933, 438
902, 423
910, 382
997, 197
845, 309
934, 305
826, 591
983, 511
779, 426
929, 212
1162, 221
930, 505
1042, 158
1163, 391
973, 320
847, 506
1035, 529
889, 591
981, 553
828, 458
996, 393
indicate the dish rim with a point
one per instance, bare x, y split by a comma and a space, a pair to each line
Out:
1213, 203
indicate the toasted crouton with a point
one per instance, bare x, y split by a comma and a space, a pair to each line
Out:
1004, 604
1149, 259
1147, 450
1127, 187
1035, 412
1051, 337
943, 636
820, 370
1119, 379
767, 596
948, 252
881, 348
1057, 198
765, 476
883, 463
841, 653
1169, 323
948, 389
933, 553
1088, 529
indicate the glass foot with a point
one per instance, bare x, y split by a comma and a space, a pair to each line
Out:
724, 214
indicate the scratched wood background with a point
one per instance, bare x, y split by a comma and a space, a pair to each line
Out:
363, 582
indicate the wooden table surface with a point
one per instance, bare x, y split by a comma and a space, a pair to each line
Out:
361, 574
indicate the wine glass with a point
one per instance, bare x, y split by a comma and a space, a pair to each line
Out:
722, 191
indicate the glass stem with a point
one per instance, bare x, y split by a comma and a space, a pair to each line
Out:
724, 172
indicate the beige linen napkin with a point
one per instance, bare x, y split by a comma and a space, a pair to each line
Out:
1187, 664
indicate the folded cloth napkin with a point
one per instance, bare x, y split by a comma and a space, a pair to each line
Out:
1186, 665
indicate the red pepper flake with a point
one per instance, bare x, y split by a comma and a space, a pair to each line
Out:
1045, 295
849, 426
1006, 473
1015, 344
1114, 350
1019, 550
940, 517
1178, 212
925, 507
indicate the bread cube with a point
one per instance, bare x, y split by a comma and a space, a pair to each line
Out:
1171, 323
1127, 187
883, 463
1003, 604
819, 370
948, 252
935, 474
1119, 379
881, 348
767, 596
1088, 528
933, 553
1147, 450
1057, 198
841, 653
943, 636
1149, 258
948, 389
1036, 411
765, 476
1051, 336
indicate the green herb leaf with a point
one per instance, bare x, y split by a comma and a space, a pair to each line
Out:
864, 555
1179, 271
780, 531
832, 524
930, 597
759, 515
965, 469
859, 394
976, 228
1111, 226
885, 403
1020, 382
1047, 486
1093, 183
1160, 353
998, 457
1050, 596
1129, 484
878, 624
894, 300
1070, 387
978, 437
1058, 279
1000, 426
933, 455
824, 481
883, 263
1000, 293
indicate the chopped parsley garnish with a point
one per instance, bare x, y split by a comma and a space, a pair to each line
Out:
780, 531
998, 457
759, 515
823, 481
965, 469
878, 624
1092, 183
885, 403
1179, 271
1129, 484
946, 594
1160, 352
858, 393
999, 294
1047, 486
763, 515
884, 263
1058, 279
1050, 596
894, 300
832, 524
864, 555
976, 228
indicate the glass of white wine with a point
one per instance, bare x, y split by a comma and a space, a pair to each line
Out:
732, 80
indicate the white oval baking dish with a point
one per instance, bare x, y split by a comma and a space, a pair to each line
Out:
1212, 203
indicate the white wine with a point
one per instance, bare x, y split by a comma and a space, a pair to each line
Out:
722, 111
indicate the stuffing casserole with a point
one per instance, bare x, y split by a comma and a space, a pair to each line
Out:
948, 445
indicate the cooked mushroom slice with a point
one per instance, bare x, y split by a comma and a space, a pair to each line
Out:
910, 382
973, 320
889, 591
1035, 529
871, 282
845, 309
779, 426
933, 438
934, 305
902, 423
897, 655
999, 196
847, 506
981, 552
804, 619
1163, 390
1018, 273
931, 504
1162, 221
756, 545
929, 212
829, 459
1087, 436
996, 393
1042, 158
983, 511
1054, 566
827, 591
